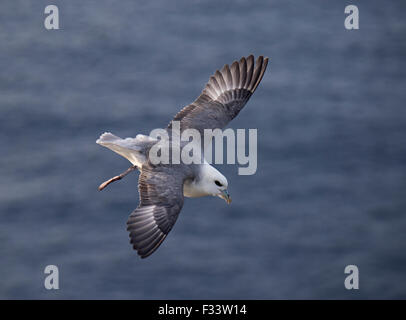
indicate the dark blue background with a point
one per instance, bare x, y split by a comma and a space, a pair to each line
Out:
331, 180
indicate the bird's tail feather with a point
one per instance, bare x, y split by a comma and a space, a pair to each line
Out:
133, 149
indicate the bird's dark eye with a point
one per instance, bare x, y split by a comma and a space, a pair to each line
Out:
218, 183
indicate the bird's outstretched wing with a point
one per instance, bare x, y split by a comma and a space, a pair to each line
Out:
161, 199
223, 97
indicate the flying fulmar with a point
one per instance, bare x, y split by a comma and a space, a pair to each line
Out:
163, 186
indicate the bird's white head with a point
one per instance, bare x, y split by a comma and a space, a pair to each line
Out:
214, 183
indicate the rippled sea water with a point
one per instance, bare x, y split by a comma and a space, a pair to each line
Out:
331, 118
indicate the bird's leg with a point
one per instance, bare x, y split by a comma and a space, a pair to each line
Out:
119, 177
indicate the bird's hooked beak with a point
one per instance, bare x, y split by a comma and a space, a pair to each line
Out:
225, 196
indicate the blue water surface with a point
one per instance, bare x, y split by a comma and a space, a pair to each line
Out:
331, 117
